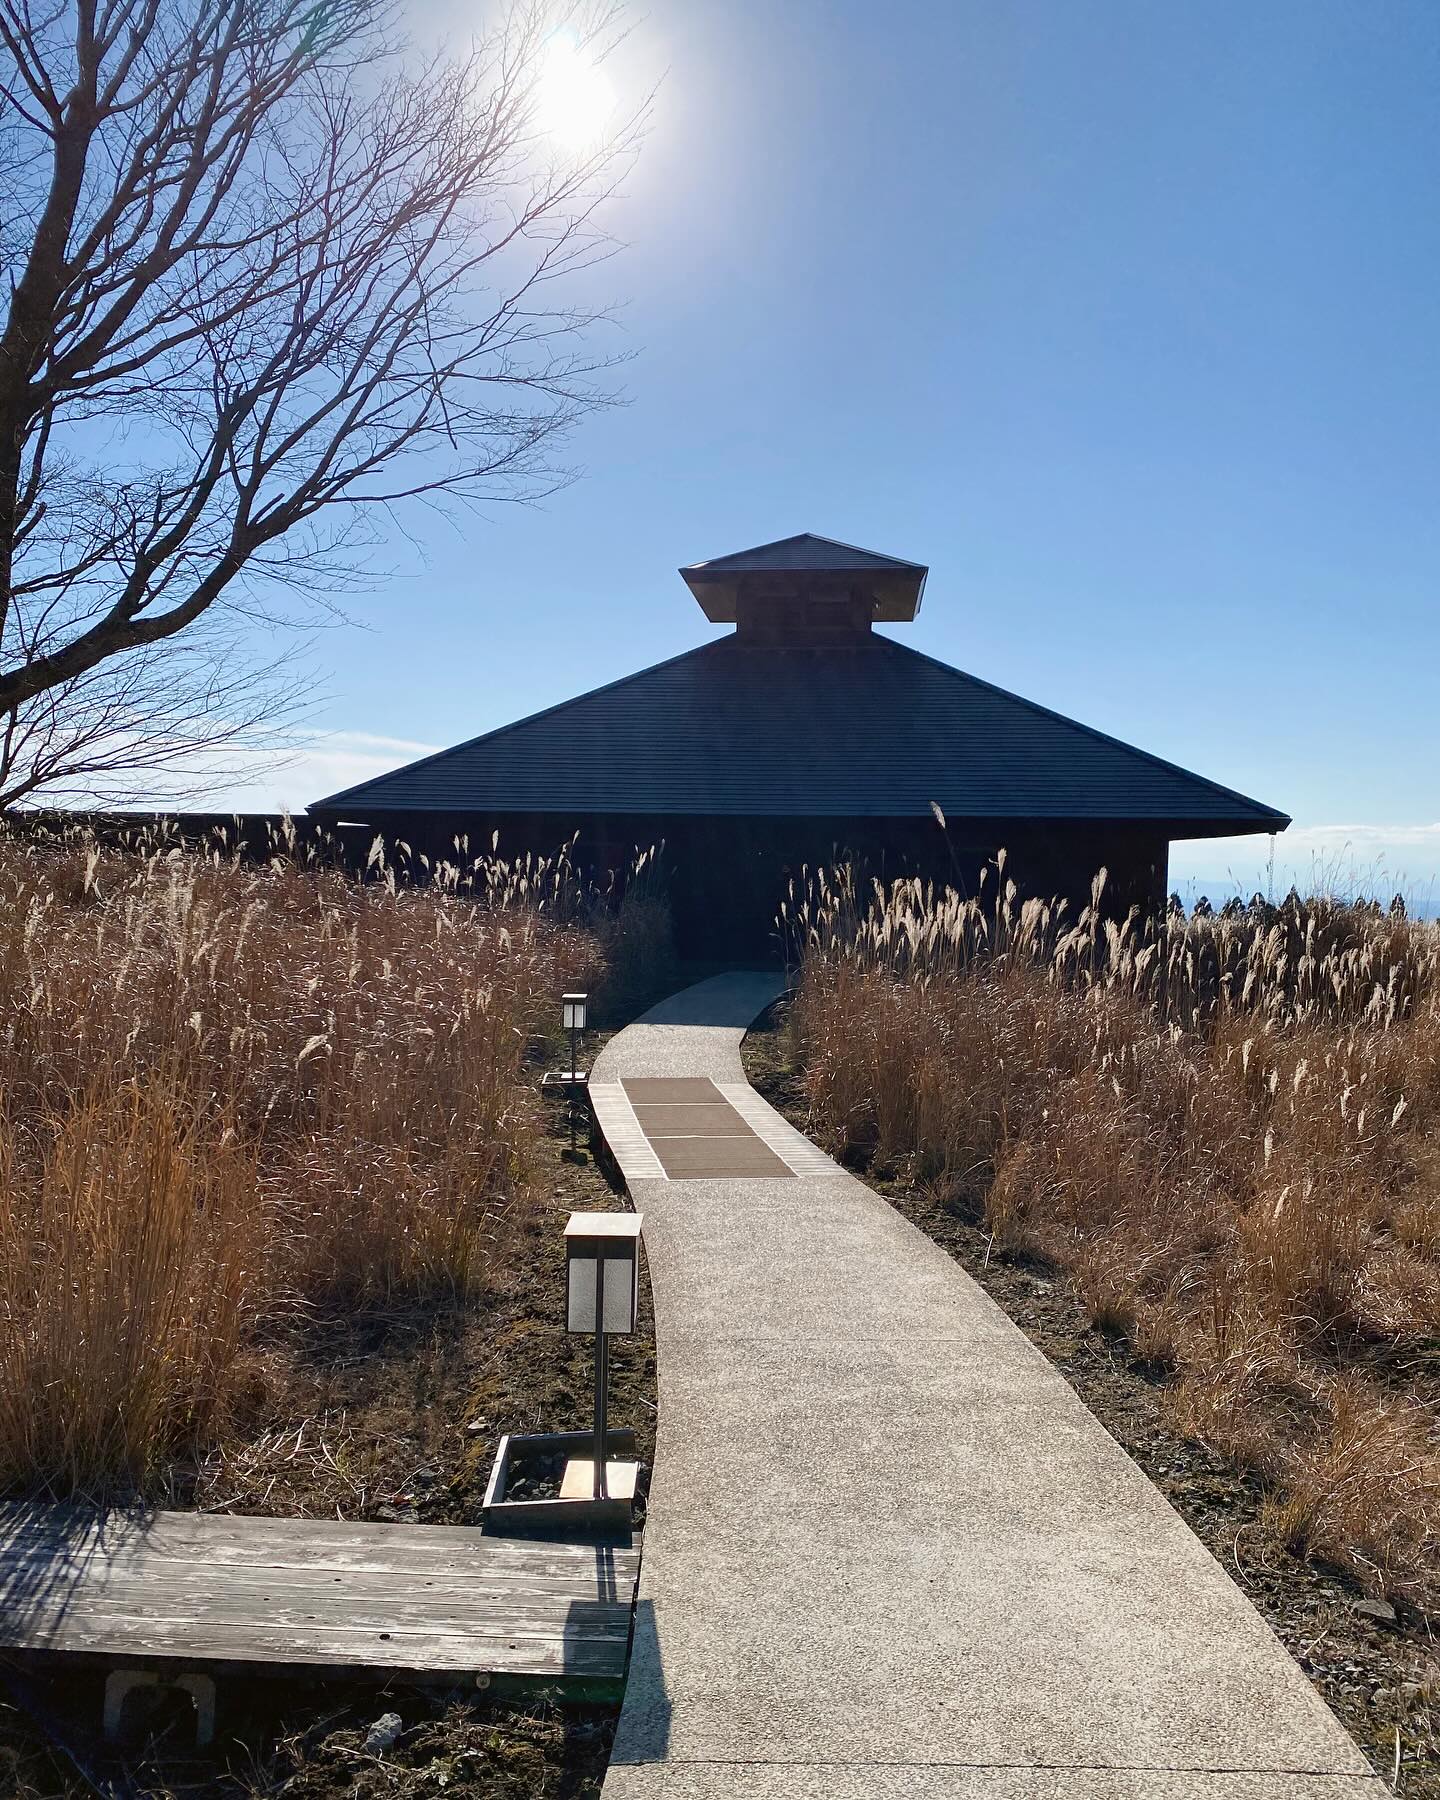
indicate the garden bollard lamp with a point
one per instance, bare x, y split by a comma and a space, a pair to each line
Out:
602, 1295
573, 1012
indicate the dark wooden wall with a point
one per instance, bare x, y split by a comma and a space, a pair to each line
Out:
727, 876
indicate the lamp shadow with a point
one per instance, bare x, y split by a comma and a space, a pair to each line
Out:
643, 1734
606, 1637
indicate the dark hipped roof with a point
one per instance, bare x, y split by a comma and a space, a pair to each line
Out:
869, 729
806, 553
895, 587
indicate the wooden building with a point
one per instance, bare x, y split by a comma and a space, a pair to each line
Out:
803, 735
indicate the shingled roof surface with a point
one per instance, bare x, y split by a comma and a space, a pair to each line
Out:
804, 552
871, 729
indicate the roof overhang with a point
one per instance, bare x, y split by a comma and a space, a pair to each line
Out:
894, 598
807, 564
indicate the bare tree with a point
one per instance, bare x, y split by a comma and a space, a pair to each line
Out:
266, 273
164, 725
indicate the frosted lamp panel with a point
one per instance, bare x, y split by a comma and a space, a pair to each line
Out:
619, 1295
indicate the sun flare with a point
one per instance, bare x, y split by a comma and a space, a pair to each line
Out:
574, 97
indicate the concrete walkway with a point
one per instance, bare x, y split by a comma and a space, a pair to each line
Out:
889, 1554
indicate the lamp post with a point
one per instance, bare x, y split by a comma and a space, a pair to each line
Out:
602, 1296
572, 1012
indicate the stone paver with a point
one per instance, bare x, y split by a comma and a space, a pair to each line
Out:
889, 1555
650, 1091
720, 1120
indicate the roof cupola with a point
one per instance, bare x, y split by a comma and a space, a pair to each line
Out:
805, 589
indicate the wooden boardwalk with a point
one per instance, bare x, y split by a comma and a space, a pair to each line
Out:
422, 1603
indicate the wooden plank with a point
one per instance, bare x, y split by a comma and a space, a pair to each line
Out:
578, 1481
361, 1614
238, 1541
234, 1598
31, 1523
292, 1594
135, 1615
367, 1627
142, 1638
179, 1574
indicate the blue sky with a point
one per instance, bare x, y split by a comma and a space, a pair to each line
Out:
1123, 315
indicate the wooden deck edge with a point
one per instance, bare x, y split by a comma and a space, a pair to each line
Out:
577, 1687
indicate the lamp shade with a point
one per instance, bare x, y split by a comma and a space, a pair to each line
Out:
608, 1241
573, 1007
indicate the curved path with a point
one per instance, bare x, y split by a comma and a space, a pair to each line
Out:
889, 1554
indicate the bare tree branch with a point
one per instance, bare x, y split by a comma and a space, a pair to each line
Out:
264, 273
164, 723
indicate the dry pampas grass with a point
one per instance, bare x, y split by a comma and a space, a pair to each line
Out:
235, 1092
1226, 1128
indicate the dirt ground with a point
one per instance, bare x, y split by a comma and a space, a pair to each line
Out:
392, 1417
1379, 1675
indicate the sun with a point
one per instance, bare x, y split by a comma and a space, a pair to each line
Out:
574, 96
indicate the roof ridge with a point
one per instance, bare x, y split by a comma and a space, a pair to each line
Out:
1090, 731
903, 562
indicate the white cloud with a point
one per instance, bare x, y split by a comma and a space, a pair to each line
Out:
320, 763
1383, 838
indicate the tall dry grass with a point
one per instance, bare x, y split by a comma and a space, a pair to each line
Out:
230, 1094
1226, 1128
